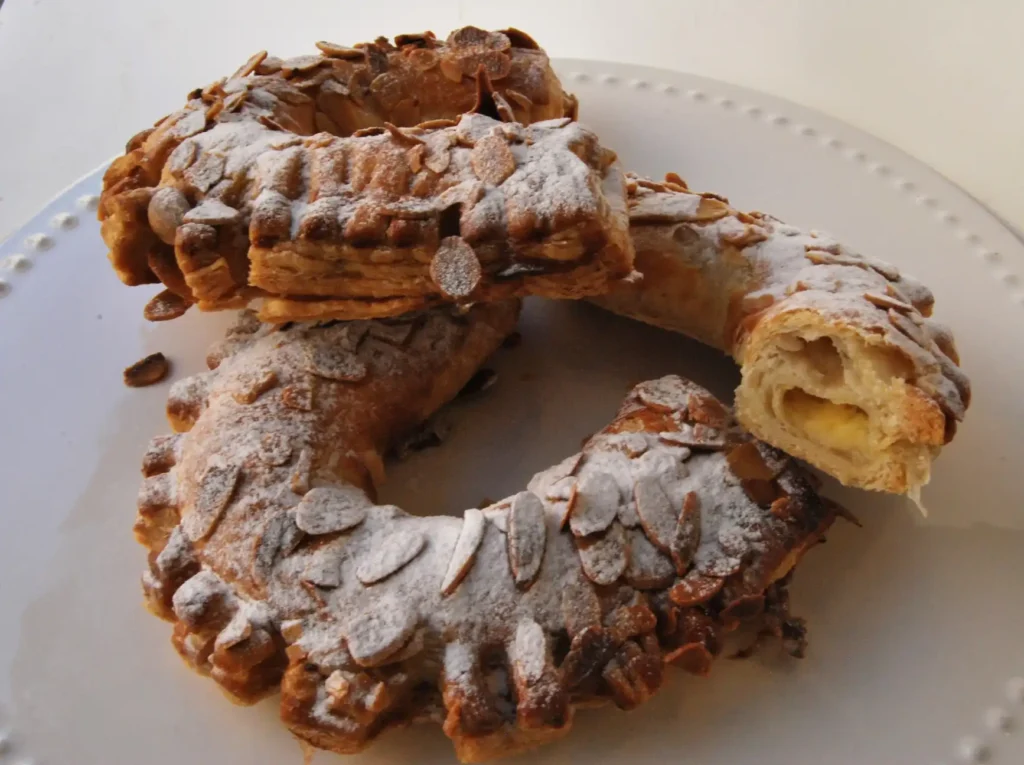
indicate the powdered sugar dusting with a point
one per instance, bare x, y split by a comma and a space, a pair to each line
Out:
530, 650
455, 268
363, 585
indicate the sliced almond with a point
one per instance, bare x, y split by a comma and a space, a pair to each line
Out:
706, 410
649, 568
719, 564
392, 554
213, 493
686, 538
527, 537
438, 158
455, 268
205, 172
691, 657
492, 160
668, 394
274, 449
302, 471
529, 651
589, 653
373, 636
604, 557
166, 212
595, 503
333, 50
235, 100
300, 65
148, 371
451, 70
886, 302
332, 509
189, 123
747, 463
415, 157
520, 100
657, 516
278, 538
212, 212
403, 137
165, 306
251, 65
696, 437
335, 364
464, 553
695, 589
423, 59
291, 536
581, 608
393, 334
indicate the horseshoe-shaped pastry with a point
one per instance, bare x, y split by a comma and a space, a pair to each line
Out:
233, 197
280, 571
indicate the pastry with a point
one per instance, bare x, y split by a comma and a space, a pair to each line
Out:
669, 529
259, 187
841, 364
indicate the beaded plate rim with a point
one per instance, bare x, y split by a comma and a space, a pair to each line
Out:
975, 229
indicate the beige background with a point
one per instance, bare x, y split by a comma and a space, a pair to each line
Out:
941, 79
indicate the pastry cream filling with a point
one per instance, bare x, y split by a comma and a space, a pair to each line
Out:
841, 427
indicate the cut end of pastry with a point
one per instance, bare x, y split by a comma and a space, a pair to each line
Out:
844, 402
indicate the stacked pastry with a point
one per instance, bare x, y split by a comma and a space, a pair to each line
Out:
386, 205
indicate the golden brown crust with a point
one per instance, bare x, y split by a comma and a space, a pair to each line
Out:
268, 553
801, 312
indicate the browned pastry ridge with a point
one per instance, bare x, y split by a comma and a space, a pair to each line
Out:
309, 182
670, 529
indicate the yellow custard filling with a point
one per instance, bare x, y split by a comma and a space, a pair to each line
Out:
841, 427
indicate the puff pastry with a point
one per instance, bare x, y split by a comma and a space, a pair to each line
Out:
250, 190
669, 529
841, 364
226, 200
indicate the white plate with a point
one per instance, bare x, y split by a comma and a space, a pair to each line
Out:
916, 625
